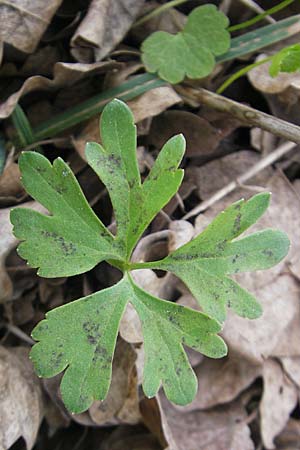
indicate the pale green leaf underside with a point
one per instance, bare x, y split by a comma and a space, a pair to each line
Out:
70, 241
190, 52
204, 263
135, 204
81, 336
286, 60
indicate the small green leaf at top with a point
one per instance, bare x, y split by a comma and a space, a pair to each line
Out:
190, 52
286, 60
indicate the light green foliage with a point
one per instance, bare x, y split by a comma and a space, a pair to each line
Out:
190, 52
79, 337
135, 204
286, 60
204, 263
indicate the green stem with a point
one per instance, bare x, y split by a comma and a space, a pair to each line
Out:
240, 73
145, 265
158, 11
260, 17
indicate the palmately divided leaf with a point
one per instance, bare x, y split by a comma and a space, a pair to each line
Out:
286, 60
81, 337
166, 328
204, 263
190, 52
115, 162
72, 240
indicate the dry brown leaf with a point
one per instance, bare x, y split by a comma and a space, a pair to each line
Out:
201, 137
104, 26
153, 102
291, 367
23, 22
221, 381
182, 232
145, 106
289, 439
122, 393
64, 74
21, 409
222, 428
7, 243
262, 80
257, 339
279, 398
11, 189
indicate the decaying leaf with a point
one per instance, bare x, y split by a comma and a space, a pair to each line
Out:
21, 409
121, 403
24, 22
280, 397
222, 428
64, 74
104, 26
223, 380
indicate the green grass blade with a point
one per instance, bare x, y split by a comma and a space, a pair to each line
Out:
262, 37
73, 116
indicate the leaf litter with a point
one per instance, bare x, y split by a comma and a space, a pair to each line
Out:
245, 399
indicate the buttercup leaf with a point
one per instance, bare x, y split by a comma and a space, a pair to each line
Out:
72, 240
135, 204
80, 337
166, 327
192, 51
204, 263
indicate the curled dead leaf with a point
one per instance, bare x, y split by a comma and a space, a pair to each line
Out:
21, 408
23, 23
104, 26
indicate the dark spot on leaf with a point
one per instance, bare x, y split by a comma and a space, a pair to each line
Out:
178, 371
237, 223
268, 253
40, 169
67, 248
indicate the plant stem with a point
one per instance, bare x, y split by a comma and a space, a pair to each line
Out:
247, 115
260, 17
241, 72
158, 11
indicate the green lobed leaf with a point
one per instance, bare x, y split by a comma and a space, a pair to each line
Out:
80, 337
190, 52
166, 328
204, 263
115, 162
286, 60
71, 241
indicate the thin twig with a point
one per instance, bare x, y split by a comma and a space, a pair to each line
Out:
256, 8
249, 116
19, 333
254, 170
